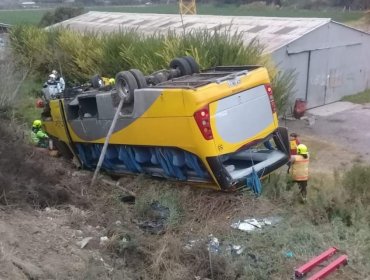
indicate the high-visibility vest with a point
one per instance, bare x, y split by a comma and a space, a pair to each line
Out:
293, 147
300, 168
37, 135
34, 138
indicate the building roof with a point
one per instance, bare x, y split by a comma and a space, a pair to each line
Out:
272, 32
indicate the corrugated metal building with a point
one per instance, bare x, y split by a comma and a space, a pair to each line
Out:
331, 60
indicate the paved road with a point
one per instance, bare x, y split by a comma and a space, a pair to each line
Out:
349, 128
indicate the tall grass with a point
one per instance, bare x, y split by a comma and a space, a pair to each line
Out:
11, 79
79, 56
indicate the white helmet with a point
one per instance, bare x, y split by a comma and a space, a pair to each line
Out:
54, 72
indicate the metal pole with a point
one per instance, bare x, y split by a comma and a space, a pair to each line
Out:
102, 155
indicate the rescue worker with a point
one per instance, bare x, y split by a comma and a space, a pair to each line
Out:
52, 88
38, 136
299, 172
294, 142
59, 79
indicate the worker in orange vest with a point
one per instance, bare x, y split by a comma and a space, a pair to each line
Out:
299, 172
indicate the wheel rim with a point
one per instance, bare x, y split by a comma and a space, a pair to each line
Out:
122, 88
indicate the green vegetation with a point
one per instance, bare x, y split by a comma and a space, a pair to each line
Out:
22, 16
25, 110
360, 98
39, 50
35, 16
336, 214
60, 14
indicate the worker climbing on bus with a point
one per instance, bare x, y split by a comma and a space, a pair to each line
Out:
294, 142
299, 172
38, 136
59, 79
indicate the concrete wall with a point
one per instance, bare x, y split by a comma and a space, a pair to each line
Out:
330, 62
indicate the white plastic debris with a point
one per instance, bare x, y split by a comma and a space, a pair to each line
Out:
235, 250
84, 242
103, 240
270, 221
214, 244
243, 226
253, 224
190, 244
124, 240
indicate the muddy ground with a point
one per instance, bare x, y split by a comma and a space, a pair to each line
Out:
47, 211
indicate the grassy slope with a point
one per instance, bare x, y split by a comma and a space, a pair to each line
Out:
34, 16
21, 16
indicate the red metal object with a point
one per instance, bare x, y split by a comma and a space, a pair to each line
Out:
299, 108
342, 260
301, 271
40, 103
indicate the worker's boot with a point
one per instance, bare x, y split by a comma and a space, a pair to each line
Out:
303, 189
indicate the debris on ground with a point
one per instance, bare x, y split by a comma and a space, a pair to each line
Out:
157, 219
129, 199
103, 240
235, 250
253, 224
213, 244
289, 254
84, 242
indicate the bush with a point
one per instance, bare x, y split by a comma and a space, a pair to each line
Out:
60, 14
79, 56
11, 80
356, 182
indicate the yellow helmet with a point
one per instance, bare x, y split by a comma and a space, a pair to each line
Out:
302, 149
37, 124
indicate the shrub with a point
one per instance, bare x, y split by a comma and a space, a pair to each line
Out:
60, 14
356, 181
79, 56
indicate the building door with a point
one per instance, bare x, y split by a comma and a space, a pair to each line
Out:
317, 77
344, 72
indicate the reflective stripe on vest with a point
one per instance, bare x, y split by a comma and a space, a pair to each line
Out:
300, 168
34, 138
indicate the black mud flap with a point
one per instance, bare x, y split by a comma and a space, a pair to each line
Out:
222, 176
281, 138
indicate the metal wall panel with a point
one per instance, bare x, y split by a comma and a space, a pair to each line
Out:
317, 78
339, 63
344, 73
298, 63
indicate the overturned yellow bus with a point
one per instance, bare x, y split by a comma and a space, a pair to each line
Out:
214, 126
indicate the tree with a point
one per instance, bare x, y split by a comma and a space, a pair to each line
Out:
60, 14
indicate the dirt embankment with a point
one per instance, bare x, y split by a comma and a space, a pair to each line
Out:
39, 198
28, 176
48, 211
